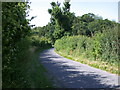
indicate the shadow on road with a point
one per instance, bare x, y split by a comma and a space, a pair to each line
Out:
71, 76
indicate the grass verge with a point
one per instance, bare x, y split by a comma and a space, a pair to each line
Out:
111, 68
34, 71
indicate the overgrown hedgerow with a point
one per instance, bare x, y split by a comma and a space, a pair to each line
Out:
100, 47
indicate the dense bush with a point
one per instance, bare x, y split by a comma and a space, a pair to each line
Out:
19, 54
71, 44
15, 29
106, 45
102, 46
13, 75
40, 41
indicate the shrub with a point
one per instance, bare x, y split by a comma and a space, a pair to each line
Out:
102, 46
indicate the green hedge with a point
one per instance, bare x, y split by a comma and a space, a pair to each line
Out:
13, 76
102, 46
40, 41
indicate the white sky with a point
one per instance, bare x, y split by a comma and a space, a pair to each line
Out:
105, 8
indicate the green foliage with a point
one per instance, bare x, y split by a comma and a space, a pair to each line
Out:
40, 41
102, 46
88, 17
65, 23
15, 29
71, 44
46, 32
88, 35
19, 59
26, 71
13, 76
89, 24
53, 4
66, 7
62, 19
35, 71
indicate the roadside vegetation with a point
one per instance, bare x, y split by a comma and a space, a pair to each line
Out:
21, 67
88, 39
100, 51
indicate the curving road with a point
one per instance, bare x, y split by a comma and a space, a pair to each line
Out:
66, 73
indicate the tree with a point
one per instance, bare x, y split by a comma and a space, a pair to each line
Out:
62, 19
88, 17
15, 27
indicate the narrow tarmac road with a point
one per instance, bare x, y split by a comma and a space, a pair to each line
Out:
66, 73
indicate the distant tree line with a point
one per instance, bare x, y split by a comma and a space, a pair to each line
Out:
64, 23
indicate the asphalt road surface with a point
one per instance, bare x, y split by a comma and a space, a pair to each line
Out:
66, 73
